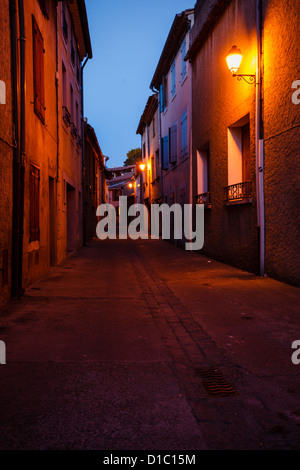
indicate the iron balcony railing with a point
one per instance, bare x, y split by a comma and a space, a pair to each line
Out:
66, 116
79, 141
203, 198
238, 192
73, 130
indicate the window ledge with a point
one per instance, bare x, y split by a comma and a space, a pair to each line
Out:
238, 202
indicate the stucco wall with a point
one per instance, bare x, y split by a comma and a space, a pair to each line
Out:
41, 140
177, 179
219, 101
282, 139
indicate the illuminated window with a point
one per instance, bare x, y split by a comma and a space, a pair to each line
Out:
238, 153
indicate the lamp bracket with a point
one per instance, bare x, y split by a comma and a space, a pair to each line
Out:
250, 79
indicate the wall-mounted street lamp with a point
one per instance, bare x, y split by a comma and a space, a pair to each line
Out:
142, 166
234, 59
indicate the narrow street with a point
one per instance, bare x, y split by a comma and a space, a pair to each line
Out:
118, 348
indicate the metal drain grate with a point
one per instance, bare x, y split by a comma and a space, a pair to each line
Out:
215, 384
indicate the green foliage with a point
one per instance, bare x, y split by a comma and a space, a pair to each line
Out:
133, 156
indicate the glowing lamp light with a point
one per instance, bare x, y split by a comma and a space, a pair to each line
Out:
142, 166
130, 185
234, 59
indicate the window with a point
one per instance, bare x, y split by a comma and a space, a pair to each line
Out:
64, 85
173, 144
184, 137
238, 154
157, 164
203, 184
72, 53
163, 92
153, 124
173, 80
38, 72
77, 116
239, 183
165, 152
65, 28
34, 201
183, 62
144, 151
202, 171
153, 176
72, 103
44, 5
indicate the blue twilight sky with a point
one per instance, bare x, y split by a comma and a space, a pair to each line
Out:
127, 39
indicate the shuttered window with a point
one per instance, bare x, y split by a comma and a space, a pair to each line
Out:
34, 222
173, 80
38, 72
173, 144
184, 141
165, 152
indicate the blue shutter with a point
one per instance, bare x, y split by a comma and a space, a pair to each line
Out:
165, 152
173, 80
184, 143
161, 97
173, 144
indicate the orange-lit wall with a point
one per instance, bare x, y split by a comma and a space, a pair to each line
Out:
41, 139
70, 154
6, 153
219, 101
282, 139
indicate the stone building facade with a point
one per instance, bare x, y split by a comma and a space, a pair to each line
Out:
246, 135
45, 47
7, 153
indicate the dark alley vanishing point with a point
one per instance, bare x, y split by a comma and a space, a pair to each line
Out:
141, 345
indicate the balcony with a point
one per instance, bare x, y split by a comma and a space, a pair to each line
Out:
205, 199
79, 141
66, 116
238, 193
73, 130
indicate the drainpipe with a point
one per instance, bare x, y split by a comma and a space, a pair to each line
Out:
82, 154
19, 150
260, 143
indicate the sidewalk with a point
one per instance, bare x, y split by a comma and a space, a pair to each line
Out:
110, 351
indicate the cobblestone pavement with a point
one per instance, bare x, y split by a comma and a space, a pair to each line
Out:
139, 345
